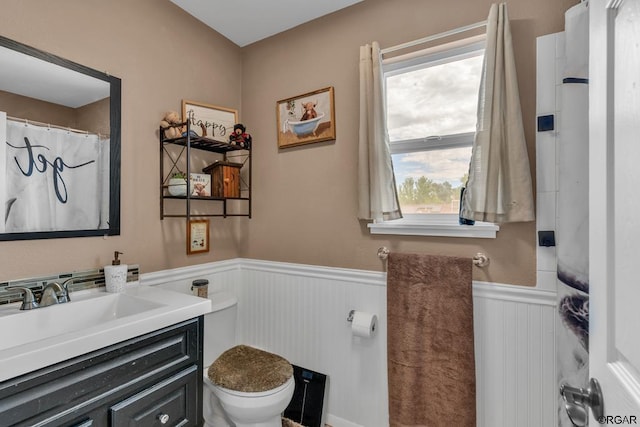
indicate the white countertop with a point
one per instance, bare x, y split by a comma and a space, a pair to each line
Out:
162, 308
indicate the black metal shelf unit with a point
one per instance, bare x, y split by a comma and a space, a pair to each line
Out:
191, 142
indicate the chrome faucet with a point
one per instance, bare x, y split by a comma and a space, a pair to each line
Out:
53, 293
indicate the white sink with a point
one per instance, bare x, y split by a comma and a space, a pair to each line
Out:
34, 339
24, 326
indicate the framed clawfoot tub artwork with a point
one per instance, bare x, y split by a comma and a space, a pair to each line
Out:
305, 119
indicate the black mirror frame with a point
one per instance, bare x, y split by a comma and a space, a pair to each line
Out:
115, 146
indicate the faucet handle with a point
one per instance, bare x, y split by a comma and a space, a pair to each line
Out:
28, 300
65, 297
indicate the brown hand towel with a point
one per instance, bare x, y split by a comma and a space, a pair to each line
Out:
430, 356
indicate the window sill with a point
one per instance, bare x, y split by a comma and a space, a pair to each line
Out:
442, 226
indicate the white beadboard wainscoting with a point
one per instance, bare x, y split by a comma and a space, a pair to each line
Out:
300, 312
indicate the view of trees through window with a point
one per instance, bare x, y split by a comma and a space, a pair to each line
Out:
424, 191
434, 101
421, 193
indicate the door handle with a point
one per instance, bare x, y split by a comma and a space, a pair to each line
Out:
578, 400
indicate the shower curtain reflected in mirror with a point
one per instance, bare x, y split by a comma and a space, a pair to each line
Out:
53, 178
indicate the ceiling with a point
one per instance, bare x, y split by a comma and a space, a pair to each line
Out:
36, 78
248, 21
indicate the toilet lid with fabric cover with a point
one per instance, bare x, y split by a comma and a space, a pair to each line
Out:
249, 370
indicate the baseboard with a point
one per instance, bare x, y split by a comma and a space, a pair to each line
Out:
333, 421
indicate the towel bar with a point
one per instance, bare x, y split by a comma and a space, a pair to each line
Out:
479, 259
383, 253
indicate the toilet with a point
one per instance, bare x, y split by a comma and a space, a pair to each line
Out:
243, 386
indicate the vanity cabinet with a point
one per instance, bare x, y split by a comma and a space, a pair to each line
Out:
151, 380
229, 172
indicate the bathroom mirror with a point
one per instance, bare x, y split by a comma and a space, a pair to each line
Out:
60, 151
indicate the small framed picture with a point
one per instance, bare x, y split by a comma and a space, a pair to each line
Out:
197, 236
305, 119
200, 185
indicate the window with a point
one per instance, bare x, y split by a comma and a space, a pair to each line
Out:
431, 104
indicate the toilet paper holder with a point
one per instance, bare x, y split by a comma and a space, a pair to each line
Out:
369, 323
350, 315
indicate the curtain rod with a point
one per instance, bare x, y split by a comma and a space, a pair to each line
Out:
433, 37
34, 122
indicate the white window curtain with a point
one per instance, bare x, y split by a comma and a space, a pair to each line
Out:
499, 186
377, 194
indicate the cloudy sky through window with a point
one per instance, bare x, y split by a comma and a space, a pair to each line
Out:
434, 101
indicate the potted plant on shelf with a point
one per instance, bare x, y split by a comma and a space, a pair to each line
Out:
178, 184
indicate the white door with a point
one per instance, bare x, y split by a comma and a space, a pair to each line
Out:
614, 207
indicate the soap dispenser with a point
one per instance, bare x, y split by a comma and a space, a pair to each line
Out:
115, 275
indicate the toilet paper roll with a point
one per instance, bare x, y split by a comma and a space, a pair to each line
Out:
364, 324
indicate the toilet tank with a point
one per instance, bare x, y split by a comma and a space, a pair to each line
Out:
220, 325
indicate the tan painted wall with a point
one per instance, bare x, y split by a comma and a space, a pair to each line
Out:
93, 118
23, 107
305, 198
162, 55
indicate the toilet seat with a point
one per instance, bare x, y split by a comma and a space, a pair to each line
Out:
255, 394
247, 371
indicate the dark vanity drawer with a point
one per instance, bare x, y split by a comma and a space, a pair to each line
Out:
164, 404
59, 395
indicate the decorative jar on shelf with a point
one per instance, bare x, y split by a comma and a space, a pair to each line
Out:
177, 185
